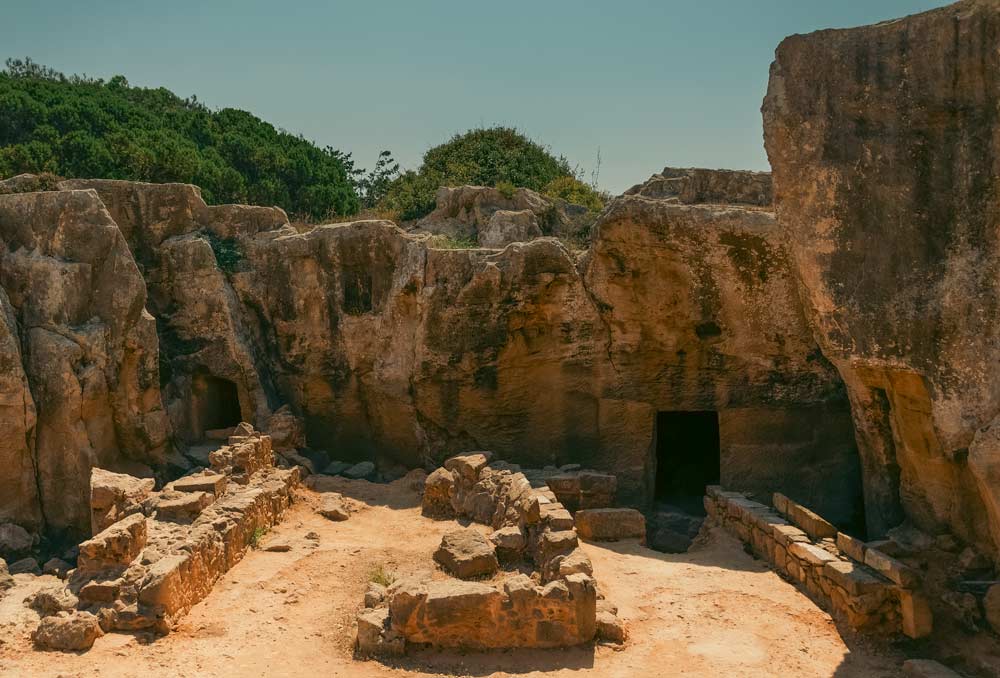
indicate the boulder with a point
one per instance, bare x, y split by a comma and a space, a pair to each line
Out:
467, 554
68, 631
610, 524
509, 543
286, 430
364, 469
56, 567
507, 226
14, 540
335, 468
610, 629
332, 508
375, 635
699, 186
25, 566
115, 547
115, 495
51, 601
438, 490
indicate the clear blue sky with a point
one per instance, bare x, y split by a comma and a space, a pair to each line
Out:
650, 83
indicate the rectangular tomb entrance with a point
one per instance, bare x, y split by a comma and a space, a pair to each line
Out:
688, 458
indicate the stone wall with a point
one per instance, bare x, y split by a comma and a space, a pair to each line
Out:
555, 607
884, 145
147, 569
856, 582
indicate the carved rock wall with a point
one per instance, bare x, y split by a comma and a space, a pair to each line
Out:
885, 145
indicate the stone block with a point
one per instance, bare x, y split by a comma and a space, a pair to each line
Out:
551, 544
182, 506
115, 547
610, 524
811, 554
469, 466
114, 496
917, 618
892, 569
213, 483
68, 632
786, 535
852, 577
557, 517
438, 490
466, 554
811, 523
509, 542
853, 548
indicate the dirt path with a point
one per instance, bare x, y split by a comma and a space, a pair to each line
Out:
711, 612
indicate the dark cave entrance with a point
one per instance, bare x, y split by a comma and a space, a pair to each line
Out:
688, 458
215, 403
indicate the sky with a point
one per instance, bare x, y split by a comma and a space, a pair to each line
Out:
641, 84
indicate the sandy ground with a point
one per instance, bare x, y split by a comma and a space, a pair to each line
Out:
714, 611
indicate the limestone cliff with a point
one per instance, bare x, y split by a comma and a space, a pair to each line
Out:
80, 388
392, 349
885, 145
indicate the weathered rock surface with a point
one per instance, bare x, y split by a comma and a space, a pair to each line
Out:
391, 351
883, 141
68, 631
611, 524
694, 186
467, 554
76, 299
494, 220
114, 496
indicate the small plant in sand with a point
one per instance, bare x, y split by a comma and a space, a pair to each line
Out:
380, 574
257, 535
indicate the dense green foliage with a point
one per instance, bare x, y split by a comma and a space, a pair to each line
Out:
87, 128
496, 156
575, 191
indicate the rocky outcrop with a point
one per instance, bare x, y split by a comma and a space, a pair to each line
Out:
380, 346
493, 218
694, 186
884, 142
81, 388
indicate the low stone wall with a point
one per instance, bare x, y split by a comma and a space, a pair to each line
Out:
557, 606
148, 569
853, 580
473, 615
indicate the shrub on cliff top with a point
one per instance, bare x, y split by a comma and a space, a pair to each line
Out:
495, 156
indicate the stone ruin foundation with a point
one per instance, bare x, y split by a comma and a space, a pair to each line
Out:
155, 554
557, 605
855, 581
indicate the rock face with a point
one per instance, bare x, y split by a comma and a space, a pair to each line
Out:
493, 219
79, 386
692, 186
372, 342
884, 143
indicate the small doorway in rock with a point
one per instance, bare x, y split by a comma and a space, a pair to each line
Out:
216, 403
688, 458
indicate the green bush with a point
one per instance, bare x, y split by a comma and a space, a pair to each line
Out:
492, 156
575, 191
80, 127
227, 252
507, 189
